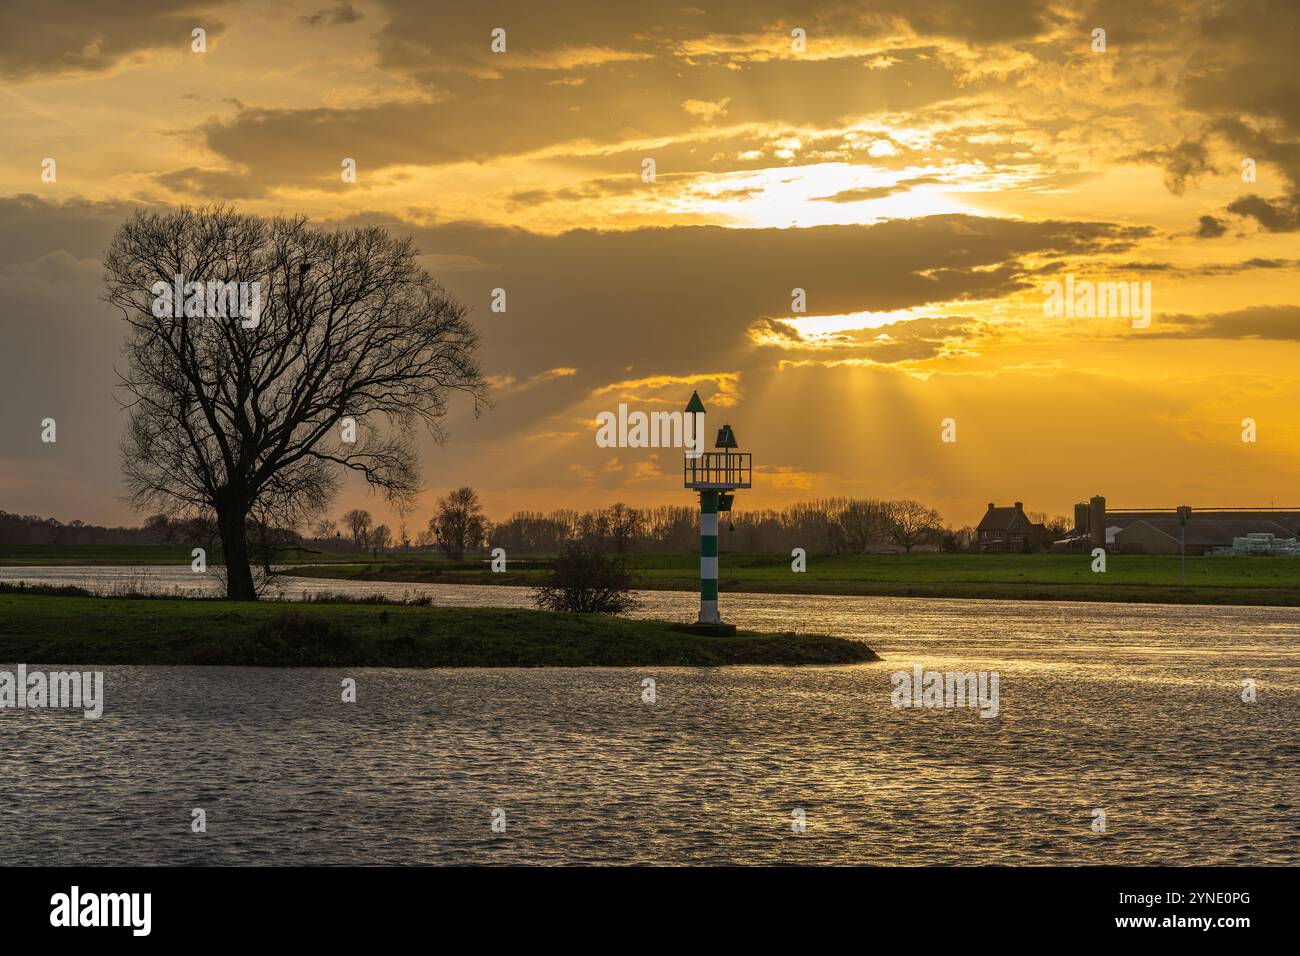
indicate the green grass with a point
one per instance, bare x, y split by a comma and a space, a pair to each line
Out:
1272, 581
1267, 581
52, 629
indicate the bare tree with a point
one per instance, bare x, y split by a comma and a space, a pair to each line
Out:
357, 522
530, 532
862, 522
622, 525
1059, 525
248, 417
459, 523
958, 540
910, 523
381, 538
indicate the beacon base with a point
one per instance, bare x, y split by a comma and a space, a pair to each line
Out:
712, 630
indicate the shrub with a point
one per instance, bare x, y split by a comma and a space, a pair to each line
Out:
588, 580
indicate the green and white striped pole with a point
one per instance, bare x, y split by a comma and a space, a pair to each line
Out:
709, 558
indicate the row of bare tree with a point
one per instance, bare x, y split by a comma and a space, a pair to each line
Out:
821, 526
457, 526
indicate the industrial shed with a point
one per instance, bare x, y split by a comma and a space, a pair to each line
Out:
1163, 535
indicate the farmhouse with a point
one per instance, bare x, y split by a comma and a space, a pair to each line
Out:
1004, 530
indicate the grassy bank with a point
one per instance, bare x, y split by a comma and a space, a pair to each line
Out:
1139, 578
1027, 577
57, 629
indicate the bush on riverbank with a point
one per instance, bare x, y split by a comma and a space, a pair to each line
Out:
45, 590
587, 579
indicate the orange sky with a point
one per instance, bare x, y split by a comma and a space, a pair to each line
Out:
921, 169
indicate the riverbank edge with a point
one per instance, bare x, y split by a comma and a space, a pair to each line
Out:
90, 630
1220, 596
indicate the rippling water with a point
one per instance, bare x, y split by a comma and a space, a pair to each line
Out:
1134, 709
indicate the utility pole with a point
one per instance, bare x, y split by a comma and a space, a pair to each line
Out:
1184, 512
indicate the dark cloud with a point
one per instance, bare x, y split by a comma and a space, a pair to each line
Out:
427, 40
879, 192
1246, 265
1211, 228
607, 186
776, 328
1242, 78
993, 22
915, 339
907, 340
614, 306
1121, 267
1277, 323
39, 40
1238, 74
31, 227
194, 181
653, 302
1273, 215
337, 15
475, 118
529, 197
1183, 162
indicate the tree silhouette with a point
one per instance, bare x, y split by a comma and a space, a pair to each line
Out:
357, 521
458, 524
910, 523
247, 420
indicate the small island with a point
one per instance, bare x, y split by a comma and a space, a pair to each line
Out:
70, 626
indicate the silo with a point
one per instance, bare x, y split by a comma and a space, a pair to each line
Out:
1080, 517
1097, 522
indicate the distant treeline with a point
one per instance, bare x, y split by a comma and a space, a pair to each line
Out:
33, 529
157, 529
820, 526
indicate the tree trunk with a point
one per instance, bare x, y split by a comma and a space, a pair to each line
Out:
232, 527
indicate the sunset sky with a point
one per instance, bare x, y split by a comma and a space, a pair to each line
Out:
922, 168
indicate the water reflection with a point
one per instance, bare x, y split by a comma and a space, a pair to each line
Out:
1132, 708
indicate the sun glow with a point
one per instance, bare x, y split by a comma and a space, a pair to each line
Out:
835, 193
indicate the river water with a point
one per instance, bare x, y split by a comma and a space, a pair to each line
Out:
1132, 710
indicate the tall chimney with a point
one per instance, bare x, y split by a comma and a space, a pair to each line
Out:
990, 506
1020, 506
